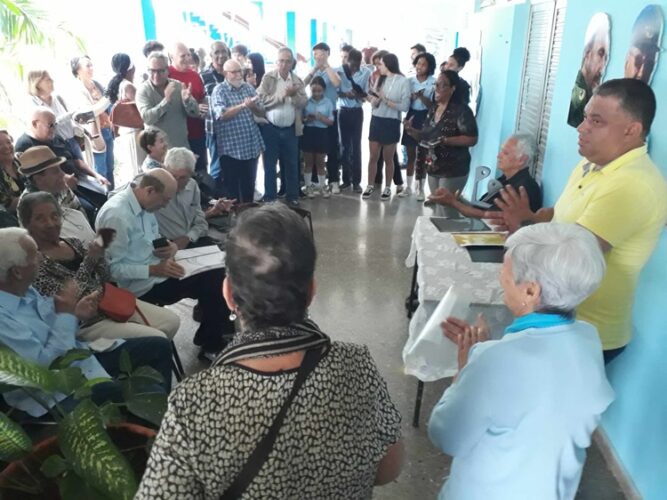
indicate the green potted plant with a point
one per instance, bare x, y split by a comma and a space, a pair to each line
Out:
92, 453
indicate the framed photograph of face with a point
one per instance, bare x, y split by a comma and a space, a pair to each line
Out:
593, 64
642, 56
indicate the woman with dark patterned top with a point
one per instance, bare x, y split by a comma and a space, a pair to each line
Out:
341, 433
65, 259
449, 131
11, 182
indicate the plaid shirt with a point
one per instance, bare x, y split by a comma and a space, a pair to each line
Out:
238, 137
211, 78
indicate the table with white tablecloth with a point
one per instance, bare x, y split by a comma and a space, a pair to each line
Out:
440, 263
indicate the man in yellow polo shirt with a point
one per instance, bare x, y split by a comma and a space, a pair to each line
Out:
618, 194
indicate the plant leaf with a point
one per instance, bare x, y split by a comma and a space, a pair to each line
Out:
150, 406
86, 445
14, 441
54, 466
73, 487
110, 414
19, 372
147, 373
124, 362
70, 357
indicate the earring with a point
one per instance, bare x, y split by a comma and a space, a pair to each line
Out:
232, 316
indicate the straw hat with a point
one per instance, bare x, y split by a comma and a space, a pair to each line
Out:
37, 159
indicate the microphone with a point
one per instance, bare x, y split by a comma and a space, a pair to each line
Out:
481, 173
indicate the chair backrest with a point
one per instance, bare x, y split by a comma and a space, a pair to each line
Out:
481, 173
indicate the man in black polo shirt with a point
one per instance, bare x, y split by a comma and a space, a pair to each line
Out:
88, 185
514, 160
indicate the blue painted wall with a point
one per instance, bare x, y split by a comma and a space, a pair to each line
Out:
503, 46
636, 422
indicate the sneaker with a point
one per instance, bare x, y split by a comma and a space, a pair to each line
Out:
368, 192
405, 192
386, 194
399, 188
326, 191
309, 191
334, 187
420, 194
357, 189
293, 203
344, 186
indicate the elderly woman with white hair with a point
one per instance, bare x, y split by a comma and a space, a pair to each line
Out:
519, 415
183, 220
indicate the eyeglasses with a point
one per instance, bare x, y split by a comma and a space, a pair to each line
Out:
157, 71
235, 71
50, 124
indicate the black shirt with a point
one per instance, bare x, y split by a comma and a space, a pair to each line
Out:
521, 178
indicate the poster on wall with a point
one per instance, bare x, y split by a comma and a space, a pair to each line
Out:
593, 65
642, 56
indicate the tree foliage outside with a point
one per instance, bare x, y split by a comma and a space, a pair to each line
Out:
30, 32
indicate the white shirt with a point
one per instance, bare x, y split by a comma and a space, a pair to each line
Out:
285, 114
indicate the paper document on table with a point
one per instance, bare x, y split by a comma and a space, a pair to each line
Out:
200, 260
485, 239
429, 355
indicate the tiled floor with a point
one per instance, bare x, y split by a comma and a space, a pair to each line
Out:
362, 283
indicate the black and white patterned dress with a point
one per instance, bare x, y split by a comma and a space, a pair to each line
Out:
336, 431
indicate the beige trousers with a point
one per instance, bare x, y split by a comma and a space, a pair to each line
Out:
163, 323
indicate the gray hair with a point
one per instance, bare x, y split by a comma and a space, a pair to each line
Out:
178, 158
29, 201
158, 55
525, 145
565, 259
13, 253
288, 50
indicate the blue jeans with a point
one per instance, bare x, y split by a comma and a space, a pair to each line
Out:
198, 147
281, 144
214, 165
104, 161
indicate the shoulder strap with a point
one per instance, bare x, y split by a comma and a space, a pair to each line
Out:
261, 452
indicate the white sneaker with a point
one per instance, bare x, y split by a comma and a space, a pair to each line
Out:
386, 194
335, 188
405, 193
420, 194
326, 191
368, 192
309, 191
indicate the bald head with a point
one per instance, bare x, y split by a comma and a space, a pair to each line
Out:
155, 190
233, 73
42, 124
180, 56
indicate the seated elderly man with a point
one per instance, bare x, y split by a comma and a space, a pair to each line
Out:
183, 221
40, 329
142, 261
89, 186
514, 160
43, 173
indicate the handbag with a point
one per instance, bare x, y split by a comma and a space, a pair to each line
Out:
261, 452
117, 304
126, 114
